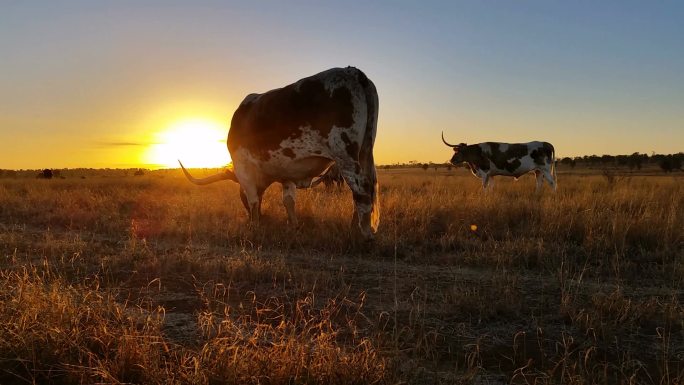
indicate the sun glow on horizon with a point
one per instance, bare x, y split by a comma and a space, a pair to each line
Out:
196, 142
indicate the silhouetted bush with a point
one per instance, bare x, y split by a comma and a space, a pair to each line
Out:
670, 163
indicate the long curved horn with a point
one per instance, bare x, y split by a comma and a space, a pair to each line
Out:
447, 143
210, 179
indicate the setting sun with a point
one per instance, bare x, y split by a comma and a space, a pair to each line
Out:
196, 142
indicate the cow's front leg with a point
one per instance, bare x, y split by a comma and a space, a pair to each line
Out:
289, 192
485, 181
243, 199
540, 180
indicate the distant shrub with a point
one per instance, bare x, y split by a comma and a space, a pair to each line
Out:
567, 161
8, 174
45, 174
670, 163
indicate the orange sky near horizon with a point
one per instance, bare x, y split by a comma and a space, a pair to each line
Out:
95, 85
133, 143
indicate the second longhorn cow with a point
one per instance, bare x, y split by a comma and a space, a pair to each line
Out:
293, 134
488, 159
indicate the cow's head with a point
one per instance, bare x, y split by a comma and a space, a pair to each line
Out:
457, 159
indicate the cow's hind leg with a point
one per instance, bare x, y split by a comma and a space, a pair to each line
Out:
289, 192
363, 192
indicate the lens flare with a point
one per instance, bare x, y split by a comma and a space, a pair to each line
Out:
196, 142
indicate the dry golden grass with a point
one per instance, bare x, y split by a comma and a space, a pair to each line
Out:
154, 280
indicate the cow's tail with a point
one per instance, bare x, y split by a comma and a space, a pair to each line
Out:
226, 175
366, 153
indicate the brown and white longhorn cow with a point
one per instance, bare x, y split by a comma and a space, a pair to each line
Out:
293, 134
489, 159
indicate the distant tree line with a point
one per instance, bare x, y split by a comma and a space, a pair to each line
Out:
414, 164
54, 173
635, 161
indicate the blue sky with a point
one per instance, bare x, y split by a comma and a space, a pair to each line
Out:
79, 77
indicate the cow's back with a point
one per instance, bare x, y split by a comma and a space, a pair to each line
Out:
316, 103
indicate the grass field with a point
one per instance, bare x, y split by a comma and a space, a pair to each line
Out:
153, 280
